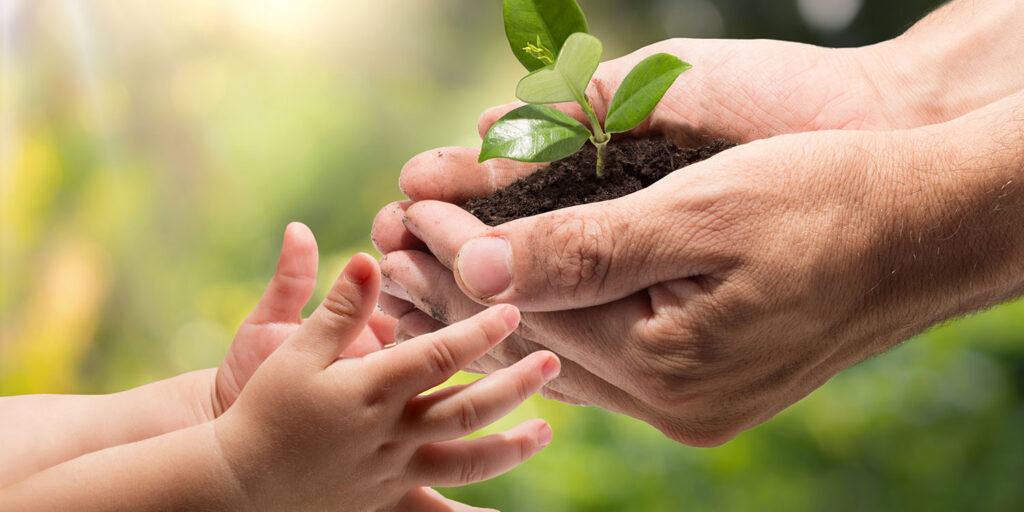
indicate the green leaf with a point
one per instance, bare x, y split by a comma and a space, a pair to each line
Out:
641, 91
541, 23
568, 78
546, 85
534, 133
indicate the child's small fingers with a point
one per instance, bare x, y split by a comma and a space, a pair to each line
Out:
466, 461
421, 363
343, 314
383, 327
442, 415
293, 283
425, 499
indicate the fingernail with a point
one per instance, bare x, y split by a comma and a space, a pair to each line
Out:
544, 435
484, 266
511, 316
394, 289
550, 369
358, 270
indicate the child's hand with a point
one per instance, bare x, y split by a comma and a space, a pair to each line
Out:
312, 431
279, 314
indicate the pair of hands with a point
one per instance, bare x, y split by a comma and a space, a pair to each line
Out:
707, 303
314, 414
340, 421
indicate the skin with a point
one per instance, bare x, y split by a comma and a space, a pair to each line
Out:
327, 420
712, 300
78, 424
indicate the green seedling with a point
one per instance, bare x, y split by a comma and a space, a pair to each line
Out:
550, 38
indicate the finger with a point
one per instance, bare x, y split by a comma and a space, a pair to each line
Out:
393, 306
425, 499
416, 323
343, 314
454, 175
574, 380
383, 328
421, 363
444, 228
452, 415
593, 343
378, 333
389, 234
429, 286
293, 283
578, 257
466, 461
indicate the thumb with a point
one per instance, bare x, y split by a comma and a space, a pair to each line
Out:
293, 283
571, 258
343, 314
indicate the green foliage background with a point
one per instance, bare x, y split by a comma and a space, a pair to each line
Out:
153, 152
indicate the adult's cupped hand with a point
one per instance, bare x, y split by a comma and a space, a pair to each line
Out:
706, 303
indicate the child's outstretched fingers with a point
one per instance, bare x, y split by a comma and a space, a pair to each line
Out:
466, 461
293, 283
343, 314
426, 361
459, 411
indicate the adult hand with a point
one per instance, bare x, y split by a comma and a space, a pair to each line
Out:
715, 298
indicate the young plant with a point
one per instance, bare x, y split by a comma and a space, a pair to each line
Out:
550, 38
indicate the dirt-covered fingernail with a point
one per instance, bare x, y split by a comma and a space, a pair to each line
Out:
484, 266
394, 289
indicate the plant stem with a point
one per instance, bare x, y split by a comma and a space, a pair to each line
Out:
600, 157
599, 138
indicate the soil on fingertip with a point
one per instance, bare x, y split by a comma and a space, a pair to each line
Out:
630, 165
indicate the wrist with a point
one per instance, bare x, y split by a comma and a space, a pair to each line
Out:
966, 201
164, 406
960, 58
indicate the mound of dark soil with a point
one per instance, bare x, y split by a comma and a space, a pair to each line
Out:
630, 165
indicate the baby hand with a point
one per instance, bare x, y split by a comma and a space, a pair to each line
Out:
313, 431
279, 315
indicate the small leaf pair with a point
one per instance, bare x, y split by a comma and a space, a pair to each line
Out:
540, 29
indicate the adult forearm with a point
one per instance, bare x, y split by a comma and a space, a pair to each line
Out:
181, 470
40, 431
961, 57
958, 222
984, 193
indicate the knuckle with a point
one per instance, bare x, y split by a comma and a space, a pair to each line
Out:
340, 306
441, 359
523, 449
468, 416
581, 252
524, 387
473, 469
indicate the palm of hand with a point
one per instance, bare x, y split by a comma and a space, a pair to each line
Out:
751, 89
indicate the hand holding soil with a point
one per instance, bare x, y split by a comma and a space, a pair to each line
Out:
725, 292
715, 298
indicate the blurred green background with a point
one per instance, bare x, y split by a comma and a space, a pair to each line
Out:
153, 152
